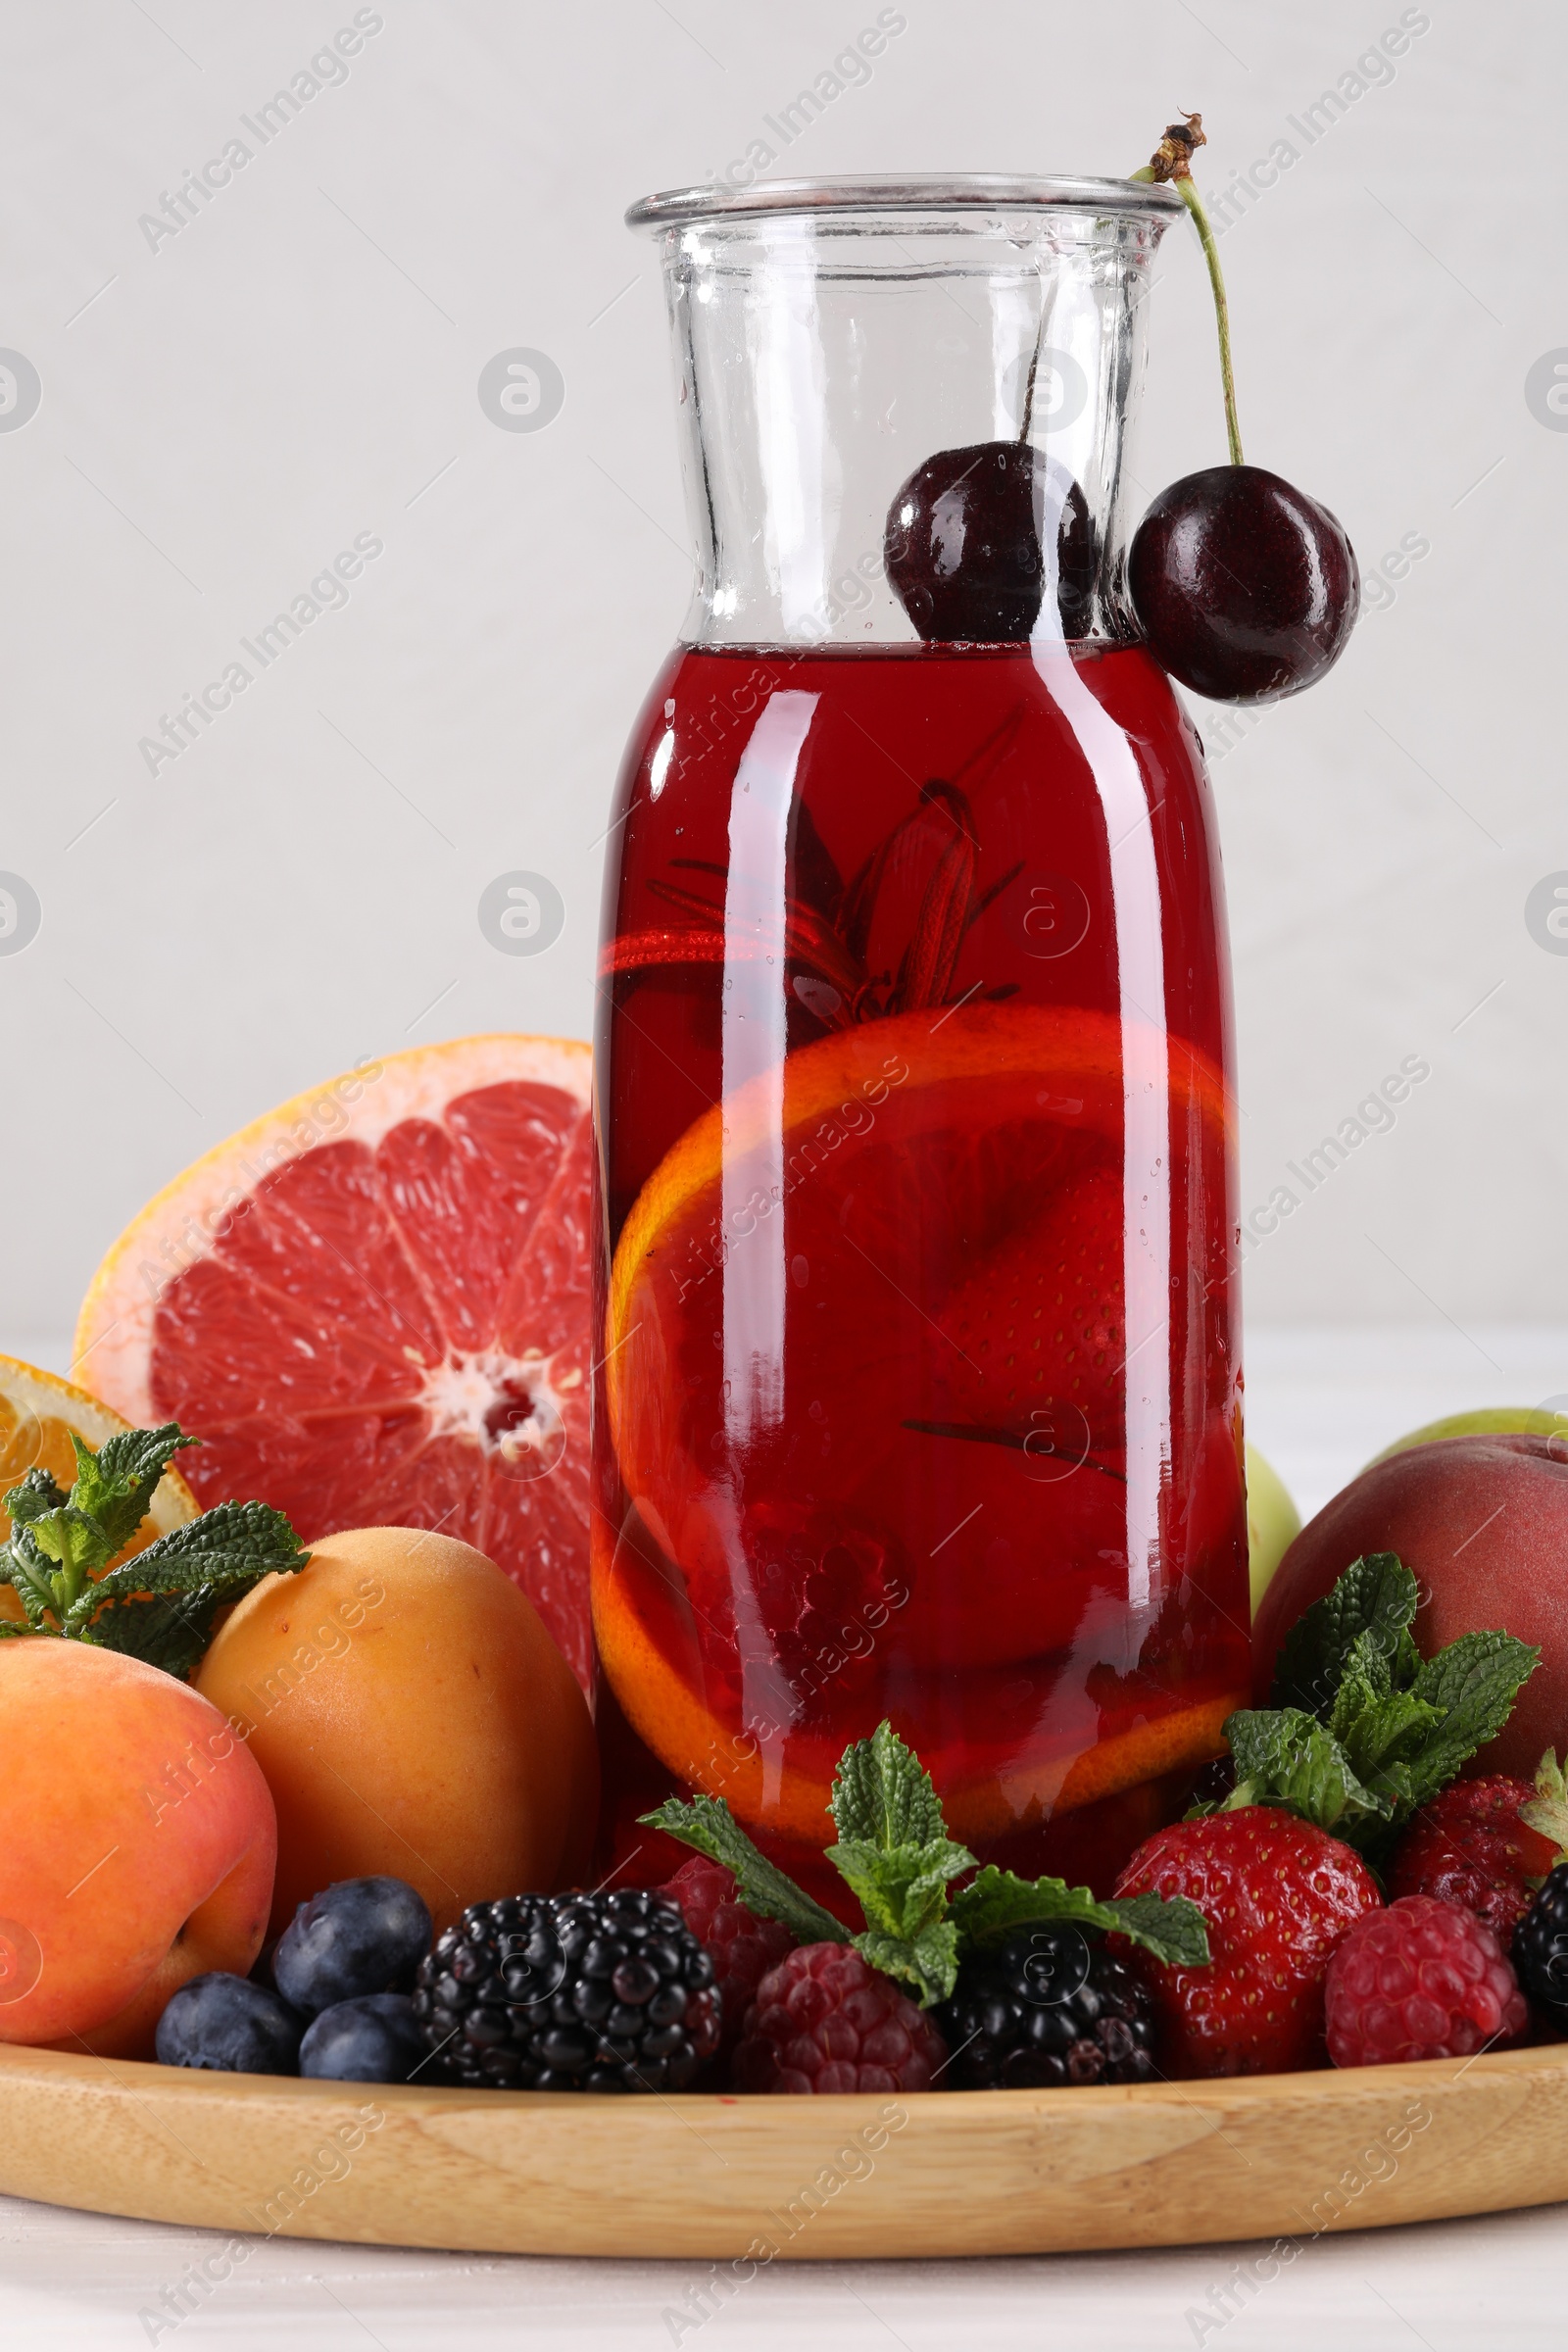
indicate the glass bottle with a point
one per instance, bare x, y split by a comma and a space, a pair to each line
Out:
919, 1392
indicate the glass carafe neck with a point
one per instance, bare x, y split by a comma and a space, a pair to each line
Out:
831, 339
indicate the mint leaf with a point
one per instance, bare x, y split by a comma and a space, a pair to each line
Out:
1375, 1733
1475, 1682
28, 1571
928, 1961
1284, 1756
1172, 1927
894, 1851
1376, 1597
38, 1493
882, 1795
75, 1542
997, 1900
1548, 1810
165, 1629
234, 1546
707, 1824
1366, 1681
116, 1485
1387, 1731
901, 1889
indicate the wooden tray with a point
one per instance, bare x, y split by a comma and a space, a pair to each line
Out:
746, 2180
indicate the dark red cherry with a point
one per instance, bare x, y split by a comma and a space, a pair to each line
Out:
978, 539
1244, 588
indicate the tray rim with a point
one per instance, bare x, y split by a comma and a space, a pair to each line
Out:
985, 2172
1307, 2085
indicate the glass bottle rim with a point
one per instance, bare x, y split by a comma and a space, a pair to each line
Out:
891, 192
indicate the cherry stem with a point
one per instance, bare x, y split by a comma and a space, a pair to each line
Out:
1172, 161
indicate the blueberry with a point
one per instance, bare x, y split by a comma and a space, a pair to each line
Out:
230, 2026
360, 1936
373, 2039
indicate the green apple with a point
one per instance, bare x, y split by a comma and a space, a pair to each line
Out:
1492, 1420
1273, 1522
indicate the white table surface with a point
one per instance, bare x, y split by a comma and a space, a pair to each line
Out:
1319, 1404
76, 2282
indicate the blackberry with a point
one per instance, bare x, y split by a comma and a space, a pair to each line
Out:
607, 1993
1047, 2009
1541, 1949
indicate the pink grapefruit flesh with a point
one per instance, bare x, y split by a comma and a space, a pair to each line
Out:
372, 1308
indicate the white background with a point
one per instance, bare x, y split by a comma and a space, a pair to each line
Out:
299, 364
221, 416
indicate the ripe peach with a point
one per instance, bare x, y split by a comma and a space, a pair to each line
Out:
1482, 1522
412, 1716
139, 1848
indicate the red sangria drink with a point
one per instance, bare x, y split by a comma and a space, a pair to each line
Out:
919, 1392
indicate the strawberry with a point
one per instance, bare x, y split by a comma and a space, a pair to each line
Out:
1040, 1322
1277, 1894
1469, 1845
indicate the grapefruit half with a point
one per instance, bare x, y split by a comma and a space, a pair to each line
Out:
373, 1306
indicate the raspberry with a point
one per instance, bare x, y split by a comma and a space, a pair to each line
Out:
1424, 1979
743, 1946
1469, 1847
824, 2020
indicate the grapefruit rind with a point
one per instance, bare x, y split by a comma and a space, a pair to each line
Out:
113, 1341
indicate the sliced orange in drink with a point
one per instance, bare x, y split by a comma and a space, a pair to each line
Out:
823, 1524
784, 1784
371, 1305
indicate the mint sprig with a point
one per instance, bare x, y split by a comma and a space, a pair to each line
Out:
894, 1851
707, 1824
896, 1856
1473, 1683
159, 1605
1364, 1731
1367, 1616
1172, 1928
1286, 1758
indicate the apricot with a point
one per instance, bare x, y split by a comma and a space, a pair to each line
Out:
412, 1716
139, 1848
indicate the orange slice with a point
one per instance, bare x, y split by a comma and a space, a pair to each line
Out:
37, 1415
862, 1147
790, 1797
